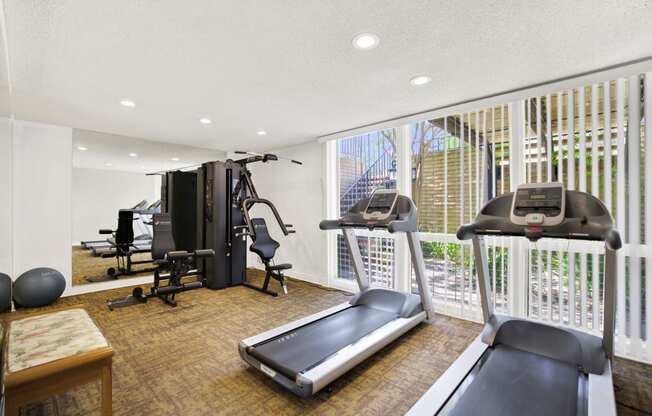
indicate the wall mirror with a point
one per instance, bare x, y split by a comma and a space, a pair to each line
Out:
116, 189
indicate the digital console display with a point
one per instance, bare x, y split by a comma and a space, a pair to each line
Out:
546, 200
538, 204
381, 202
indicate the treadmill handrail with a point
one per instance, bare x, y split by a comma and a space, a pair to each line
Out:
338, 224
404, 218
493, 219
611, 237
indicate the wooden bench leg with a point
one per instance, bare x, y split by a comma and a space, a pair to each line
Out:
11, 407
107, 391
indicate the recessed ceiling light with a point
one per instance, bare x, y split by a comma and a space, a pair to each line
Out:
175, 159
128, 103
261, 132
205, 120
108, 164
82, 148
133, 154
365, 41
420, 80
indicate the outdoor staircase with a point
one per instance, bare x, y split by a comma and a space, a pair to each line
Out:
378, 175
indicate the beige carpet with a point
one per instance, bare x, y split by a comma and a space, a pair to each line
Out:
84, 265
184, 360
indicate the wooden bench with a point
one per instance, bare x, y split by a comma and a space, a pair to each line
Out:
50, 352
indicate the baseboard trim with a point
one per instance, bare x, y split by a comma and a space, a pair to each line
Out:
108, 285
135, 281
302, 277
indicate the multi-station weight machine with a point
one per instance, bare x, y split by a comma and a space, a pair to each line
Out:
228, 185
208, 207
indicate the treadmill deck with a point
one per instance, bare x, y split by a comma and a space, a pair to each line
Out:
513, 382
303, 348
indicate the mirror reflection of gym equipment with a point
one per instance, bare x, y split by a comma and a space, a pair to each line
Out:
114, 200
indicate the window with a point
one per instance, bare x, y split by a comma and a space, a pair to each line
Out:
592, 138
458, 162
367, 162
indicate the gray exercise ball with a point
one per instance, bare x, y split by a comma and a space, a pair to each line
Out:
38, 287
5, 292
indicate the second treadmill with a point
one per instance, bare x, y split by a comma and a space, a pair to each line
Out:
522, 367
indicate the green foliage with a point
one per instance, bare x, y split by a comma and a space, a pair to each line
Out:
436, 250
457, 257
427, 249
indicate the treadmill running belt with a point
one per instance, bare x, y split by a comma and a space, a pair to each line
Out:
515, 382
307, 346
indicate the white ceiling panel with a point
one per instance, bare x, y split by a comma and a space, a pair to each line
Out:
288, 67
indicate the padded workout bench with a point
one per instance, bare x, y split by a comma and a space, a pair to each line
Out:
48, 353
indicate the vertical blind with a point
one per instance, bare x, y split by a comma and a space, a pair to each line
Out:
595, 141
458, 162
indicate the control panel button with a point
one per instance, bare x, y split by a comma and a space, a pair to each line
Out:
534, 219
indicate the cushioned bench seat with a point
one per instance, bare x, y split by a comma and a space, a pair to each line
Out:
48, 353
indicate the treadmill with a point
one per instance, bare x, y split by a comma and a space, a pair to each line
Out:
522, 367
306, 355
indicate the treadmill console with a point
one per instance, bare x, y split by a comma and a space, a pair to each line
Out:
539, 204
381, 205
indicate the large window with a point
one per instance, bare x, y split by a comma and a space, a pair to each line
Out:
458, 162
592, 138
367, 162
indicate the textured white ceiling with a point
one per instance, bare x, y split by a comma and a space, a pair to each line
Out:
288, 66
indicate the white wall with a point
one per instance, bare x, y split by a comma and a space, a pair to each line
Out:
98, 194
5, 195
298, 193
41, 197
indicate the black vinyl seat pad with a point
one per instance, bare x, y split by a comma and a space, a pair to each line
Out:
282, 266
303, 348
513, 382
